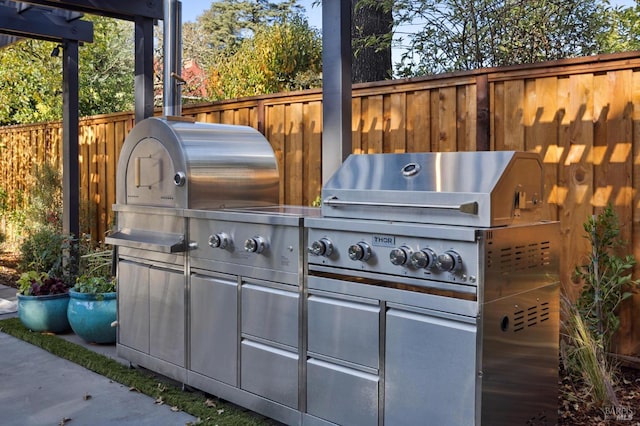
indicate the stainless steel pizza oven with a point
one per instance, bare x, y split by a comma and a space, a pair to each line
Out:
167, 167
432, 292
178, 163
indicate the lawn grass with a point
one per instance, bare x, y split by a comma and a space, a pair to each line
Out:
209, 410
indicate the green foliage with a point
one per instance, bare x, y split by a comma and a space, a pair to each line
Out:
95, 261
280, 57
30, 83
94, 285
45, 198
43, 251
227, 23
624, 30
107, 68
437, 36
35, 283
31, 80
607, 277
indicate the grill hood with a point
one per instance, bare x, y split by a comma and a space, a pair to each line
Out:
481, 189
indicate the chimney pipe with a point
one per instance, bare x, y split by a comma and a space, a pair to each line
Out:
336, 85
172, 29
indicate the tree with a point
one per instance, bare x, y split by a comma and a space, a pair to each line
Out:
470, 34
30, 83
106, 68
31, 79
624, 33
371, 29
279, 57
224, 26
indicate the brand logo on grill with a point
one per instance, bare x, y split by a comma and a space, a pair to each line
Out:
383, 240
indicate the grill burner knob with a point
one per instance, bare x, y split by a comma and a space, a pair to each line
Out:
423, 259
321, 247
449, 261
220, 240
360, 251
255, 245
400, 255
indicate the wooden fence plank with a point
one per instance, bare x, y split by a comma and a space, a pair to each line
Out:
373, 112
633, 341
513, 118
294, 173
395, 126
312, 127
576, 176
418, 122
275, 134
357, 126
447, 119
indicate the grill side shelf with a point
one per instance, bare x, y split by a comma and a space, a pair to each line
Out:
148, 240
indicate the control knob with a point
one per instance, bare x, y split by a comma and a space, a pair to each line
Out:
255, 245
321, 247
360, 251
423, 259
449, 261
220, 240
400, 255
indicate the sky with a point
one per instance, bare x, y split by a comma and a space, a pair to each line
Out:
191, 9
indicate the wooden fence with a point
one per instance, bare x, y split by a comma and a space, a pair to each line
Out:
581, 115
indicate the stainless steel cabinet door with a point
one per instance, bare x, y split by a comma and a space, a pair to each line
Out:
167, 315
430, 370
133, 306
214, 328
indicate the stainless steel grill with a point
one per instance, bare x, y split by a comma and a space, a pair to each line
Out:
433, 292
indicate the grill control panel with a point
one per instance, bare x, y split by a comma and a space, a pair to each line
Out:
411, 256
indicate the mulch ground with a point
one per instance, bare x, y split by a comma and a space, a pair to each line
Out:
575, 407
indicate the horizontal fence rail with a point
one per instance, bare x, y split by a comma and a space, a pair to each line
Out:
582, 115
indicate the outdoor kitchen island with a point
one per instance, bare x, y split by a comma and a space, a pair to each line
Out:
426, 286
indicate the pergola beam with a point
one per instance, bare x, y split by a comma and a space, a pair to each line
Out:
43, 24
120, 9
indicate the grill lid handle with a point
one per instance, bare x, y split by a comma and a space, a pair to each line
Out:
468, 208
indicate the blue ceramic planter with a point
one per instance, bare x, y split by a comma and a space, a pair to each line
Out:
44, 313
91, 315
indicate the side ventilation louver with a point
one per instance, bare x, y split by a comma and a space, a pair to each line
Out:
525, 318
519, 258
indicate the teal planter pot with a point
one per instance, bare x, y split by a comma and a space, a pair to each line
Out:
91, 315
44, 313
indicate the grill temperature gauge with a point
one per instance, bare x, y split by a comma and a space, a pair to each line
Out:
449, 261
220, 240
255, 245
360, 251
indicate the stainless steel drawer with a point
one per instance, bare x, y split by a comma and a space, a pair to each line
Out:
344, 328
269, 372
270, 313
341, 395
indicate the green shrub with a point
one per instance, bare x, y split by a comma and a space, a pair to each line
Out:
607, 277
43, 251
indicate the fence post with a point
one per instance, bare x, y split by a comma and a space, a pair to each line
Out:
483, 124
